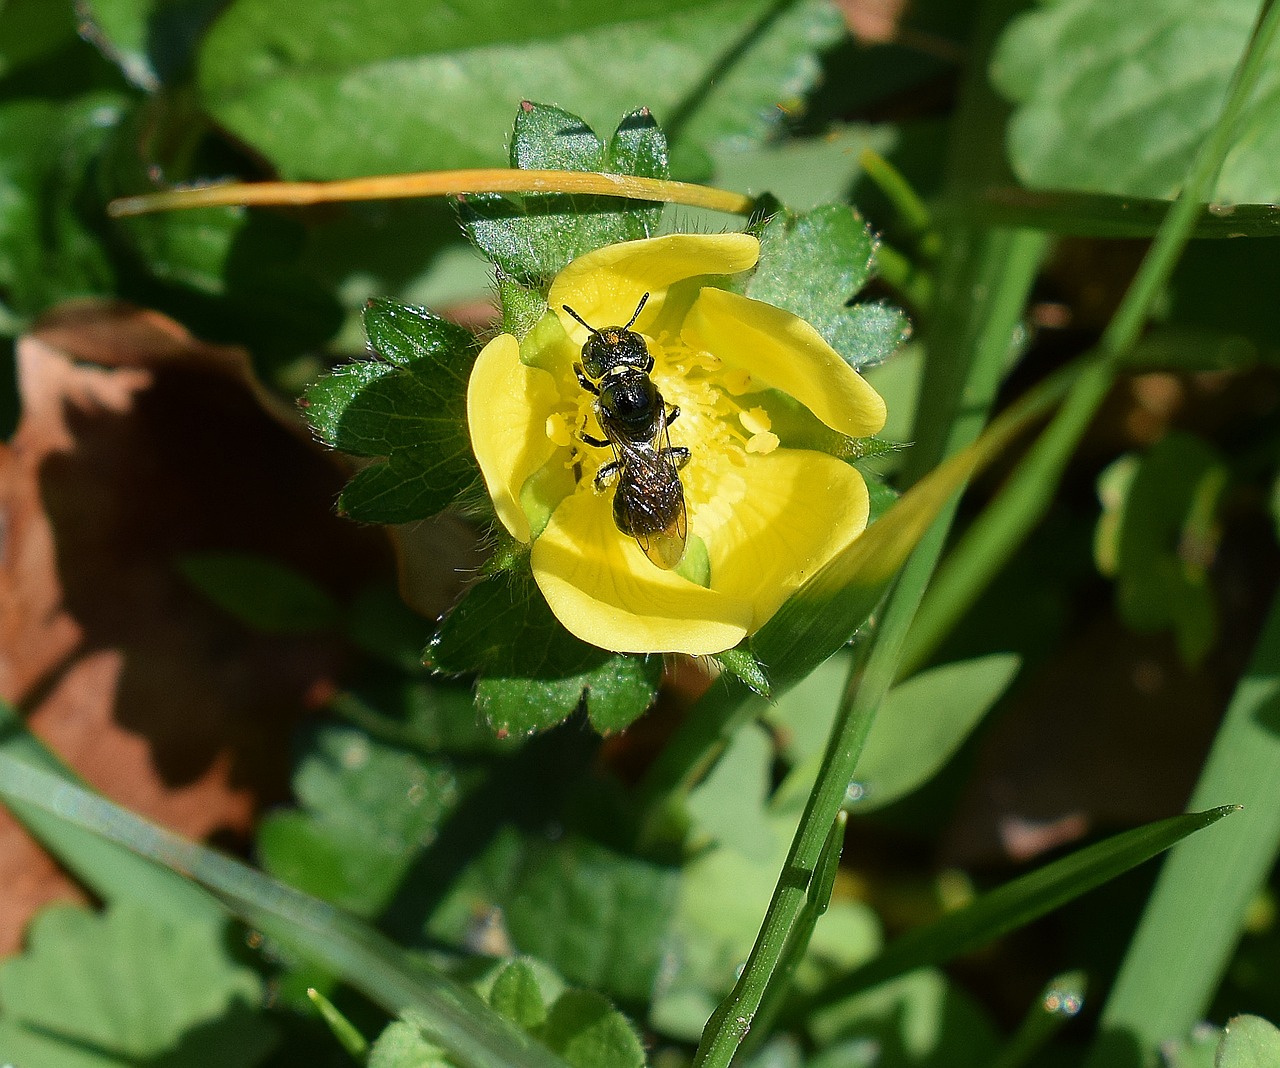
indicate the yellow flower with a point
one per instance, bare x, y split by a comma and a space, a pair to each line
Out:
762, 517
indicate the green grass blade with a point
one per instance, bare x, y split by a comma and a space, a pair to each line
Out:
112, 872
1194, 916
1017, 903
1025, 498
455, 1018
1100, 215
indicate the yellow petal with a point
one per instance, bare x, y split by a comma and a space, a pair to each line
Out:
603, 589
797, 510
605, 285
781, 351
507, 409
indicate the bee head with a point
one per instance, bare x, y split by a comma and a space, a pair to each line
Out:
614, 346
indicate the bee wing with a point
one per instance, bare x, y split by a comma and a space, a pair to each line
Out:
649, 505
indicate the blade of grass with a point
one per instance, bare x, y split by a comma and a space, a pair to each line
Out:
1017, 903
1074, 214
112, 872
458, 1020
984, 279
1025, 498
816, 902
1194, 916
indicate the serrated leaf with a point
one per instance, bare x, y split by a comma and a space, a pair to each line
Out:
533, 237
324, 97
588, 1032
534, 673
142, 988
597, 916
266, 596
410, 409
368, 809
813, 265
1249, 1042
1113, 99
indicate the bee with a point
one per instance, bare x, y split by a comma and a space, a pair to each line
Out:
648, 500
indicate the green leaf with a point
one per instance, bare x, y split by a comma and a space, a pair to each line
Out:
920, 1020
367, 810
403, 1045
814, 265
46, 151
533, 237
1158, 533
1191, 926
588, 1032
32, 29
922, 723
1024, 899
266, 596
598, 917
369, 962
534, 673
126, 986
1114, 99
1249, 1042
152, 41
1198, 1051
730, 803
410, 409
515, 993
325, 96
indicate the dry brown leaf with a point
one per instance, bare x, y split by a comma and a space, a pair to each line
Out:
138, 444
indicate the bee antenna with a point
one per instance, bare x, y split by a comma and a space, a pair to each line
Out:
639, 308
581, 319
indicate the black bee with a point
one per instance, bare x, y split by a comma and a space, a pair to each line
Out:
648, 503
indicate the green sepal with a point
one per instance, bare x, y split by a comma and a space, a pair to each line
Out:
813, 265
410, 407
534, 673
741, 663
522, 307
532, 237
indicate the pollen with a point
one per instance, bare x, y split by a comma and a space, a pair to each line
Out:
763, 443
756, 421
558, 429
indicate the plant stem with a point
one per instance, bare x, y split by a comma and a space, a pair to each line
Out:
437, 184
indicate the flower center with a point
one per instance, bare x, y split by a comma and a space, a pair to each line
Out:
716, 429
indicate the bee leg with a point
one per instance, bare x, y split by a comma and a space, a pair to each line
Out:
607, 473
673, 413
584, 381
677, 454
598, 443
